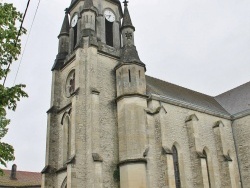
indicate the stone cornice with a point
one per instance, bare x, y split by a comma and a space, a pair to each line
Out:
131, 95
129, 161
64, 108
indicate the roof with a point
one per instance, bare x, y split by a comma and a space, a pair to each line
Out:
236, 100
183, 95
24, 179
74, 1
126, 17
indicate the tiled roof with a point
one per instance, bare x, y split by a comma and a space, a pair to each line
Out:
23, 179
181, 94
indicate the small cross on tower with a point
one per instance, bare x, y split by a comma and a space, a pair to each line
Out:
125, 3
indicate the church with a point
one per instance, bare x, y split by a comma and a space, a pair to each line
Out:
112, 126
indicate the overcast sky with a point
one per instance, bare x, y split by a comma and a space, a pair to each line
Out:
203, 45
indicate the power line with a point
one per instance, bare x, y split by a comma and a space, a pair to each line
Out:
20, 62
18, 35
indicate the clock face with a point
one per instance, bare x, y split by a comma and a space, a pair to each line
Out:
74, 21
109, 15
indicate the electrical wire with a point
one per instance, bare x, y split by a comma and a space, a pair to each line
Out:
20, 62
17, 37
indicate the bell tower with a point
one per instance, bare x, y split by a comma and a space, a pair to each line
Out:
82, 142
96, 133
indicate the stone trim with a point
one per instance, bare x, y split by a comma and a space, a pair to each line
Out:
145, 153
62, 169
106, 54
95, 92
48, 169
191, 118
97, 157
76, 92
201, 155
166, 151
71, 160
217, 124
65, 114
130, 95
63, 34
68, 60
64, 108
132, 63
52, 110
227, 158
45, 170
155, 111
131, 161
104, 50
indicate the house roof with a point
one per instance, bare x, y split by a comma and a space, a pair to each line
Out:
23, 179
183, 95
236, 100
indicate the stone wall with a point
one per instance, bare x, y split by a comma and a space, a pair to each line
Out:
241, 130
171, 126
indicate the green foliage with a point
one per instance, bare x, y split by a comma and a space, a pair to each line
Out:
10, 49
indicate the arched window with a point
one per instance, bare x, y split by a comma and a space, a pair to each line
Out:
109, 32
66, 138
74, 26
208, 175
176, 167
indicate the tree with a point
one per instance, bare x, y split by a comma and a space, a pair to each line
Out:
10, 49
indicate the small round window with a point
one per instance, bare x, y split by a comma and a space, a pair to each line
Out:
70, 84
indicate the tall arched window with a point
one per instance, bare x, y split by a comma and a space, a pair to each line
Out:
74, 24
176, 167
66, 138
109, 32
208, 175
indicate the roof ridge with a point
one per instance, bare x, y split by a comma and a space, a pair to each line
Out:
180, 93
181, 86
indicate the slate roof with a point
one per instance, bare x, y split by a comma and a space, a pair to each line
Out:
65, 26
236, 100
73, 1
181, 94
24, 179
127, 22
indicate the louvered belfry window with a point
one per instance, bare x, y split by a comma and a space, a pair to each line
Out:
109, 33
176, 168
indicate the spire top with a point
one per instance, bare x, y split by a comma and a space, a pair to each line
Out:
126, 3
126, 17
65, 25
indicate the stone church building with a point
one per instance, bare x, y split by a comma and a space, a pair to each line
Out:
112, 126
